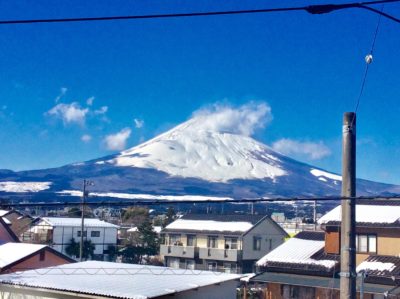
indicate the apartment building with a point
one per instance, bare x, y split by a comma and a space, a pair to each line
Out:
224, 243
308, 265
57, 232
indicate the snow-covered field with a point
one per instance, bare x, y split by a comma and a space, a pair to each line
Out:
24, 186
145, 196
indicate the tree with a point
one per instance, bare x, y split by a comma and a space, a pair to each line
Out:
73, 249
170, 216
112, 253
75, 212
134, 215
148, 237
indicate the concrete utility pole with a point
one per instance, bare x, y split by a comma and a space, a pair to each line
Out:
348, 224
84, 195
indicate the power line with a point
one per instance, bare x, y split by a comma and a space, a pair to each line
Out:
312, 9
146, 202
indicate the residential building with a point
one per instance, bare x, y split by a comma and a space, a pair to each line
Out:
225, 243
21, 256
6, 234
308, 265
17, 221
94, 279
57, 232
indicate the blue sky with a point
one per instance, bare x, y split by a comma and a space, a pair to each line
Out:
307, 68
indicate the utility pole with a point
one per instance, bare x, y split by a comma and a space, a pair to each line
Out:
315, 214
84, 195
347, 229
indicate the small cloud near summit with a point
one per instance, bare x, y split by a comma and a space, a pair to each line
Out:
117, 141
307, 149
243, 120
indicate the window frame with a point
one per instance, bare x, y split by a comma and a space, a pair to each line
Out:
368, 238
257, 243
95, 231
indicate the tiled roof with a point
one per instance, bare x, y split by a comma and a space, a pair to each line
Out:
13, 252
382, 268
302, 252
253, 219
76, 222
367, 214
117, 280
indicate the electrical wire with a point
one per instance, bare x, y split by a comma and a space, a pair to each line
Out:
313, 9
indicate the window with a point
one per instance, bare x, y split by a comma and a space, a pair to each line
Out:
257, 243
95, 233
191, 240
231, 243
42, 255
175, 240
212, 266
212, 242
230, 268
84, 233
366, 243
190, 264
173, 263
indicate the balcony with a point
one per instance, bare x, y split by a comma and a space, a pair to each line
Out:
179, 251
229, 255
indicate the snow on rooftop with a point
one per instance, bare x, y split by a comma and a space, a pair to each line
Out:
366, 214
297, 251
24, 186
210, 225
6, 221
322, 175
145, 196
117, 280
12, 252
375, 266
3, 212
89, 222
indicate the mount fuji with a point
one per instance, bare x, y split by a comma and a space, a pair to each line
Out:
192, 159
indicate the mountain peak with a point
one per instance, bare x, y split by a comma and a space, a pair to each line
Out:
199, 148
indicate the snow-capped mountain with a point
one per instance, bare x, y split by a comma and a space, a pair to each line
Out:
192, 159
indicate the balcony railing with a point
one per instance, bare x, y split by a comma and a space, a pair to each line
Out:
179, 251
231, 255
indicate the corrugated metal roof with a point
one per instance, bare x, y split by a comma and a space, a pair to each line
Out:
116, 280
12, 252
89, 222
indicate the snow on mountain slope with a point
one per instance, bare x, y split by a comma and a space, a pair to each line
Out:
190, 151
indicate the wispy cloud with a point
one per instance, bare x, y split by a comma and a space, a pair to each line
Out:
244, 120
101, 111
305, 149
139, 123
69, 113
117, 141
63, 91
90, 101
86, 138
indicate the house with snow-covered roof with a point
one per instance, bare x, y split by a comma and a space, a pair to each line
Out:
225, 243
57, 232
21, 256
308, 265
94, 279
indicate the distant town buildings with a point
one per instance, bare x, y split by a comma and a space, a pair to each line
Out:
225, 243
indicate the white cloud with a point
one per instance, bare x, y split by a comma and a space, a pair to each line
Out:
307, 149
69, 113
117, 141
102, 110
138, 123
89, 101
243, 120
86, 138
63, 91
